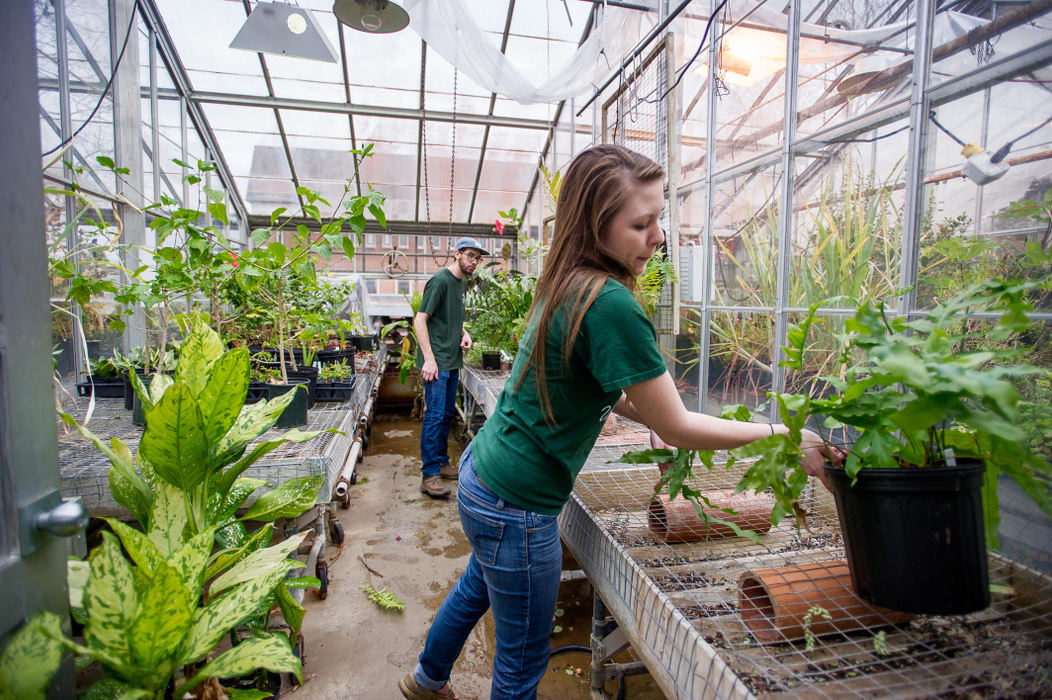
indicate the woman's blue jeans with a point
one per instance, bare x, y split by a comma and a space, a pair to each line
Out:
516, 559
440, 401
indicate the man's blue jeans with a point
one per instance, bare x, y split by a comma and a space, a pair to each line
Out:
440, 396
516, 558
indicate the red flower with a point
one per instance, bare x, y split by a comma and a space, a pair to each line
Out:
500, 227
233, 258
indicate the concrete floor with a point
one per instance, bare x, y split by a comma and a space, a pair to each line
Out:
354, 649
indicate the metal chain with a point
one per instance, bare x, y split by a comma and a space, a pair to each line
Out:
452, 158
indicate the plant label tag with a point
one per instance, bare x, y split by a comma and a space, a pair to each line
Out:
951, 458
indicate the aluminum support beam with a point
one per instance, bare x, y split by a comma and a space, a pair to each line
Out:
128, 153
916, 159
364, 110
785, 209
182, 82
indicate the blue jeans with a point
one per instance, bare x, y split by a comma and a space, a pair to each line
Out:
516, 558
440, 397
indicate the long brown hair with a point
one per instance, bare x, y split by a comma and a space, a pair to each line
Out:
594, 189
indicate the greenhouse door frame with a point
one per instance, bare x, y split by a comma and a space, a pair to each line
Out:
32, 563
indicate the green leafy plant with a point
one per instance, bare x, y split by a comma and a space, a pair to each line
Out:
407, 350
659, 271
815, 611
496, 306
168, 602
335, 371
384, 597
918, 391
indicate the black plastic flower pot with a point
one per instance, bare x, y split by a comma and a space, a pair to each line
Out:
102, 387
329, 357
295, 414
914, 537
257, 391
365, 343
491, 360
339, 390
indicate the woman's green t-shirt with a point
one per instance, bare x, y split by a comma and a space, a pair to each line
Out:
532, 463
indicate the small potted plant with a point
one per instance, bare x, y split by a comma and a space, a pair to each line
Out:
936, 419
336, 381
105, 380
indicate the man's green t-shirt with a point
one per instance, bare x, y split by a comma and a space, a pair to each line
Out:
532, 463
443, 302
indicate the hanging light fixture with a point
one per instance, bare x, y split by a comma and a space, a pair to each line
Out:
371, 16
278, 27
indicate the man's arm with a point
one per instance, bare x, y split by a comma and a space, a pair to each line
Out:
465, 340
429, 372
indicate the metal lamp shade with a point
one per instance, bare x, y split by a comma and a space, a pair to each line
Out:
277, 27
371, 16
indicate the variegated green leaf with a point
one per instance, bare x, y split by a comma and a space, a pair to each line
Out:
227, 558
291, 610
295, 435
139, 547
254, 420
31, 658
271, 653
159, 384
168, 520
164, 618
77, 571
223, 505
174, 441
141, 391
192, 560
289, 500
112, 689
201, 347
257, 562
110, 600
232, 535
223, 395
231, 609
129, 490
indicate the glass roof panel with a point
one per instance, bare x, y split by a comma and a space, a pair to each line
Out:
529, 20
400, 67
204, 47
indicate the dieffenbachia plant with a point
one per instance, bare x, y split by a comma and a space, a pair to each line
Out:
164, 606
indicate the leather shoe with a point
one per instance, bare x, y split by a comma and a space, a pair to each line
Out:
433, 487
412, 690
449, 471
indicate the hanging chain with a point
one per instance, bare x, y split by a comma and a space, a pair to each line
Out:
452, 158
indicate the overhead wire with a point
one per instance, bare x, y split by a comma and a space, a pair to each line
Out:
105, 90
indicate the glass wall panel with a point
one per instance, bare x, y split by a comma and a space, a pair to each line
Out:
739, 361
745, 227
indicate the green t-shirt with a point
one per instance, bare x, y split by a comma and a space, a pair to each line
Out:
533, 464
443, 302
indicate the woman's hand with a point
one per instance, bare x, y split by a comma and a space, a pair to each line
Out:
816, 454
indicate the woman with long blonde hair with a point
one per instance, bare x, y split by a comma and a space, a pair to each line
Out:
589, 349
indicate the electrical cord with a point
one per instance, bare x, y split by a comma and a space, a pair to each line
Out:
105, 90
931, 115
686, 67
1001, 152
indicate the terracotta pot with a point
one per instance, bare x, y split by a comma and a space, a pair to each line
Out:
676, 520
773, 602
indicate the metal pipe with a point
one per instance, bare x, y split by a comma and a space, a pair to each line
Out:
312, 557
344, 482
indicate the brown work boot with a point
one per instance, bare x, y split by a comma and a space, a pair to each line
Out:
412, 690
450, 471
432, 486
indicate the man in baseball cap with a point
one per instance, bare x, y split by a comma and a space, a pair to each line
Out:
469, 242
441, 342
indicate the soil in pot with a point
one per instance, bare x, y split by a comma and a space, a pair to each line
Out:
914, 537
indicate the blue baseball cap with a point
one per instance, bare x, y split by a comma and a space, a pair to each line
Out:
469, 242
